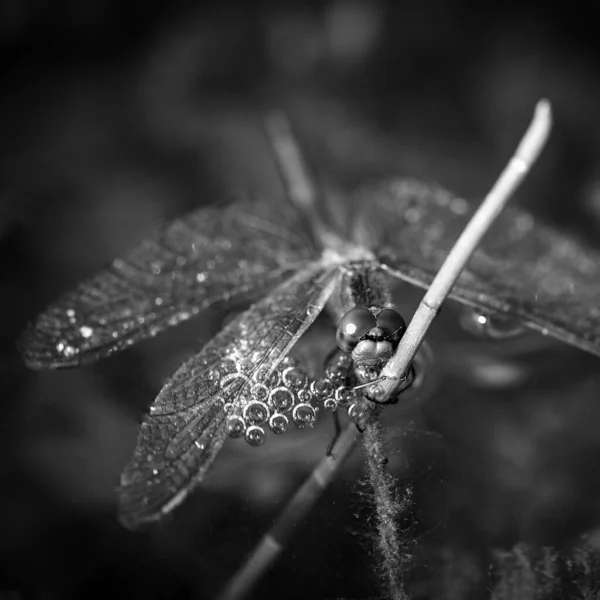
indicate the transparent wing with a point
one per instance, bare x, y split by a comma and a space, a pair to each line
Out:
185, 428
522, 268
209, 256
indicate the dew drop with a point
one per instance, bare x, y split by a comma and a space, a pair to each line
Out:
256, 413
246, 365
355, 412
201, 443
66, 350
281, 399
260, 392
290, 361
255, 435
279, 423
342, 359
201, 277
304, 396
304, 415
335, 374
321, 388
235, 426
345, 395
330, 404
294, 377
85, 331
155, 268
490, 325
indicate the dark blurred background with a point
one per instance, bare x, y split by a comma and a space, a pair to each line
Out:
118, 115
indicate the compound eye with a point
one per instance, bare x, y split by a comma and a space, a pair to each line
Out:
391, 323
354, 325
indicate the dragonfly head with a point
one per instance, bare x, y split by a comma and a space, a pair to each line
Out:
371, 335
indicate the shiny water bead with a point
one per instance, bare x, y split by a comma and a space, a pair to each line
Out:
356, 412
261, 374
66, 350
336, 374
330, 404
294, 377
345, 395
304, 415
235, 426
321, 388
260, 392
255, 435
246, 365
289, 361
342, 359
304, 396
279, 423
490, 325
256, 413
281, 399
375, 391
85, 331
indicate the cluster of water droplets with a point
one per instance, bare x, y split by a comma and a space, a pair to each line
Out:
285, 396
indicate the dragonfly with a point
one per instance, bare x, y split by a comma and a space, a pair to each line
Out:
292, 259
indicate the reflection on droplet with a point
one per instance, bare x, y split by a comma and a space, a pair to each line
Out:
66, 350
487, 325
336, 374
304, 395
281, 399
202, 442
279, 423
86, 331
260, 392
294, 377
255, 435
304, 415
235, 426
330, 404
321, 388
256, 413
345, 395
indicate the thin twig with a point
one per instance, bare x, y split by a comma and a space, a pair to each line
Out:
275, 540
302, 194
526, 154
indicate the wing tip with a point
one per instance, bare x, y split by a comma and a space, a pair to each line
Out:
40, 350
